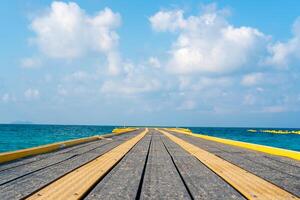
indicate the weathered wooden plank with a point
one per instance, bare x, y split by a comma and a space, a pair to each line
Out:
170, 171
122, 182
251, 146
161, 180
32, 159
251, 186
282, 172
24, 186
53, 159
13, 173
28, 160
78, 182
201, 181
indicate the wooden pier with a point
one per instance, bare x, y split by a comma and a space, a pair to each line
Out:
151, 164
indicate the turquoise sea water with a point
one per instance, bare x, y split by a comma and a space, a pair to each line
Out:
15, 137
285, 141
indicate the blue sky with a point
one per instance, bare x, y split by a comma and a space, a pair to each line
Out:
179, 63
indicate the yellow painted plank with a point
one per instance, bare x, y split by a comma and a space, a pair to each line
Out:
248, 184
13, 155
75, 184
122, 130
256, 147
9, 156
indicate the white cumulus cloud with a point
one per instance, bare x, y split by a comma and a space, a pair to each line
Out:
284, 53
205, 69
208, 43
168, 20
65, 31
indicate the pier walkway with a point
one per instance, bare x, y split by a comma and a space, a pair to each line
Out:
151, 164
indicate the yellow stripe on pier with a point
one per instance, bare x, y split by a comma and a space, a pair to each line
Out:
77, 183
256, 147
9, 156
13, 155
248, 184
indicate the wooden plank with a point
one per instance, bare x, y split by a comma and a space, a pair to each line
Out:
281, 171
23, 186
36, 158
52, 159
201, 181
75, 184
256, 147
10, 156
161, 179
123, 181
20, 171
251, 186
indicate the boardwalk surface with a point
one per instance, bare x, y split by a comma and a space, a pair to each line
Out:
281, 171
154, 168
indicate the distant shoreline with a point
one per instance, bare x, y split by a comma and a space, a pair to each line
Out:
163, 126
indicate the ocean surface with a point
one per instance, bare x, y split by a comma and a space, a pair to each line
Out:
15, 137
285, 141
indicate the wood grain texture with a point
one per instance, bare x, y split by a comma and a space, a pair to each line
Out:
75, 184
248, 184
